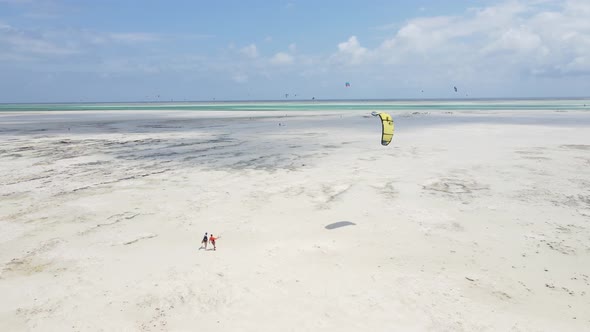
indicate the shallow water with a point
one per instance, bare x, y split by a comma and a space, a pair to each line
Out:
333, 105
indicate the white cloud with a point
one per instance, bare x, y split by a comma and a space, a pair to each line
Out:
516, 40
250, 51
351, 52
423, 34
282, 58
518, 36
578, 7
579, 65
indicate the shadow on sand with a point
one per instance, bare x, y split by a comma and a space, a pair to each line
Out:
206, 249
339, 224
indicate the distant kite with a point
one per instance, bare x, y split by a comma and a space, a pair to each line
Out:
347, 85
455, 88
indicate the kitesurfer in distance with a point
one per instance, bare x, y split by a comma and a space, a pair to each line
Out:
212, 240
204, 242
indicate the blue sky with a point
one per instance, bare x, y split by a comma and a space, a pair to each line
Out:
108, 50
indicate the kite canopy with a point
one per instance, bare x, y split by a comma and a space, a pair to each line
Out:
386, 127
347, 84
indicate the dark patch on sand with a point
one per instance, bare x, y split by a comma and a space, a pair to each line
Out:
455, 186
31, 263
536, 158
389, 190
576, 147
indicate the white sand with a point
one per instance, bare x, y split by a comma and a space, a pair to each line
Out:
466, 222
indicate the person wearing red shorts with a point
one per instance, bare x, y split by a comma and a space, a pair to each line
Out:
212, 241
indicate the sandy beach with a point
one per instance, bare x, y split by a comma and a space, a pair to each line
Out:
468, 221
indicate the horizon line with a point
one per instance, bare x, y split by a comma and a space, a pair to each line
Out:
298, 100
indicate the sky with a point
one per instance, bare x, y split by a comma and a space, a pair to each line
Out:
147, 50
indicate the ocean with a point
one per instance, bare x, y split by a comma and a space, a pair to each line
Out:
317, 105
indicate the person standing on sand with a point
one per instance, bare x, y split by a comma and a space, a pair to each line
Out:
212, 240
204, 241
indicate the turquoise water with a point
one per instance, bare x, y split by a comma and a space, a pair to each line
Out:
411, 105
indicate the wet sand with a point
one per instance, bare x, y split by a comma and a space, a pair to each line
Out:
467, 221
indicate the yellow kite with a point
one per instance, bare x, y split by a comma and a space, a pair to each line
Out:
386, 127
